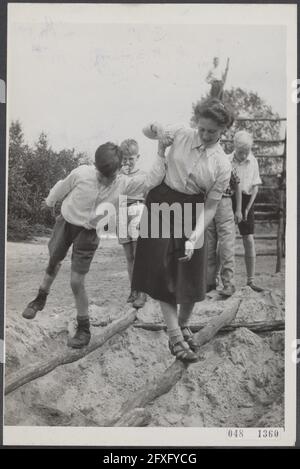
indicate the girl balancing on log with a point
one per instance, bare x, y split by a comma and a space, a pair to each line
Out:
170, 262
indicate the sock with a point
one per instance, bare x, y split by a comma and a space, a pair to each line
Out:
175, 335
42, 292
250, 267
83, 323
41, 296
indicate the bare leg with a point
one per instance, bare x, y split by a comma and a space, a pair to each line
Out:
79, 292
129, 249
49, 278
39, 302
170, 315
179, 347
250, 256
185, 311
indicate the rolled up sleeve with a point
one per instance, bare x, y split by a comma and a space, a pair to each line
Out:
256, 177
222, 181
145, 182
163, 131
62, 188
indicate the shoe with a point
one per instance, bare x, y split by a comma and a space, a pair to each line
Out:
255, 287
81, 338
36, 305
182, 351
227, 291
132, 296
211, 287
189, 338
140, 300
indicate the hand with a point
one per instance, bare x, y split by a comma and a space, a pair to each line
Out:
189, 251
44, 206
238, 217
246, 213
163, 143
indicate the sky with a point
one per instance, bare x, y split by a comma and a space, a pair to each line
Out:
87, 83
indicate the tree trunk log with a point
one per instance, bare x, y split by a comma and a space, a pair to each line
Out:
164, 383
27, 374
258, 327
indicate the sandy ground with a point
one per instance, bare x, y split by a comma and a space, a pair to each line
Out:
239, 380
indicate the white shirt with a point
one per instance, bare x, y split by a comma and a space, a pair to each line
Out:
215, 74
191, 167
247, 171
82, 192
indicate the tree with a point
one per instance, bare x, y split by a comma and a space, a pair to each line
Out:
32, 173
18, 188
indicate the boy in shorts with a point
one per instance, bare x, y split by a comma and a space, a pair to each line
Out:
247, 169
81, 192
130, 156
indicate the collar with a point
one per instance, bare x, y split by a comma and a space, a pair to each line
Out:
196, 143
247, 160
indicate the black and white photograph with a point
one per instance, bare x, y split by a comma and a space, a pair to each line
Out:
151, 228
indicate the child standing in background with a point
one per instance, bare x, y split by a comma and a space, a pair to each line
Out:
221, 238
247, 169
130, 156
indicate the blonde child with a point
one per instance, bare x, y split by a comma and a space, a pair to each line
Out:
130, 156
245, 163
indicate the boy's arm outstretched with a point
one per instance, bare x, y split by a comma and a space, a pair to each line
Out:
61, 189
152, 178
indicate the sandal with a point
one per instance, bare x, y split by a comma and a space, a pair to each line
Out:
182, 351
189, 338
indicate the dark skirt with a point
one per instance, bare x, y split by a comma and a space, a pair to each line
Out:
157, 270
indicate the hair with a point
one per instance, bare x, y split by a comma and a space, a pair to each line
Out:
243, 139
129, 147
214, 109
108, 158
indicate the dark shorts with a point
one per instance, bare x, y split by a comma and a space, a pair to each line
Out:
85, 243
245, 227
157, 270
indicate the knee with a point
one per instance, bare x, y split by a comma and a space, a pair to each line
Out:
77, 282
53, 268
248, 239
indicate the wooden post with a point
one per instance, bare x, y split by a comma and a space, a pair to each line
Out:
281, 213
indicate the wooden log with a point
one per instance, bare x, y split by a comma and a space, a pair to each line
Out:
32, 372
164, 383
261, 237
259, 141
258, 253
269, 156
260, 119
258, 327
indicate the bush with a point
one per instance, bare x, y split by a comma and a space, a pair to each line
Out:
18, 229
32, 172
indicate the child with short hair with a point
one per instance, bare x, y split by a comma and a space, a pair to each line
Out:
246, 165
130, 156
81, 192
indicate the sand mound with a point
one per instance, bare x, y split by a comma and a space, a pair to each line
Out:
239, 380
